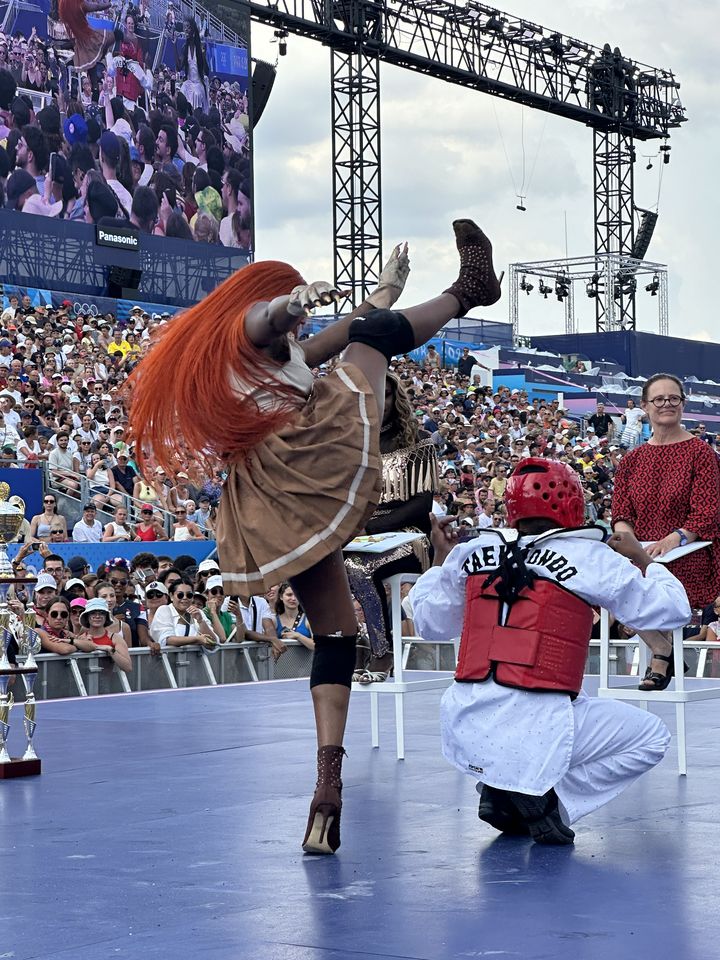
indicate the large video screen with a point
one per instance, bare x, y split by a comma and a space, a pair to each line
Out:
134, 116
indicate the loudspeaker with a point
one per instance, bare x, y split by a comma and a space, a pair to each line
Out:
123, 282
263, 79
644, 234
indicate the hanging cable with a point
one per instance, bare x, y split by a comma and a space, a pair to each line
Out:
522, 147
660, 180
502, 141
537, 152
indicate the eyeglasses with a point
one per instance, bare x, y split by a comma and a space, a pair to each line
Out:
183, 595
180, 513
216, 591
673, 401
118, 583
48, 501
57, 530
153, 594
59, 614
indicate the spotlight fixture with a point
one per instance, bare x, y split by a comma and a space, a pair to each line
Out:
281, 37
591, 287
521, 206
544, 289
625, 286
524, 285
665, 149
562, 288
653, 287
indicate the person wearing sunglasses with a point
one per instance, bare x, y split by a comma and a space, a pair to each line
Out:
99, 637
41, 525
667, 492
184, 529
55, 634
182, 622
127, 608
223, 622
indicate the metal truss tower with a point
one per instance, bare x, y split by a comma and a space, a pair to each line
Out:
477, 46
357, 225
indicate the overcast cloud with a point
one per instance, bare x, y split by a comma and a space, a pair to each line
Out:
443, 157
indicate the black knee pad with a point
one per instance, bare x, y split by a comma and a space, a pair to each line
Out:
333, 660
387, 331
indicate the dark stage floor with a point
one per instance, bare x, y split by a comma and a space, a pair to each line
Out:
168, 826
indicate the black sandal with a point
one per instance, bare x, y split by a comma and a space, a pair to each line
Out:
660, 681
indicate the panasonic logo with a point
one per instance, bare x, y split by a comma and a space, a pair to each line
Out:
128, 240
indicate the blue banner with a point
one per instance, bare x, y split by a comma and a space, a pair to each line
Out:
97, 553
27, 484
94, 306
226, 62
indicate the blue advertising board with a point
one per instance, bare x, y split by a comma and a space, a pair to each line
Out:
228, 63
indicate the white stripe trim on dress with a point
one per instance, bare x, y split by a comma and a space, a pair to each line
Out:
342, 512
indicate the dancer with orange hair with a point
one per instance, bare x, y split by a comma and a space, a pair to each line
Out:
302, 450
90, 44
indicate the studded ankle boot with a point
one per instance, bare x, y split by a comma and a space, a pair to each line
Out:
476, 285
323, 829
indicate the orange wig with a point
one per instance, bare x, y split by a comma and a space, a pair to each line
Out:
182, 399
72, 14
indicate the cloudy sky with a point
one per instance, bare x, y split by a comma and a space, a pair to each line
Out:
444, 156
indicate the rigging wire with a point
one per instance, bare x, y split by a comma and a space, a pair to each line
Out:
537, 151
502, 141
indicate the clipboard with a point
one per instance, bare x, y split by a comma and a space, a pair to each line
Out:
380, 542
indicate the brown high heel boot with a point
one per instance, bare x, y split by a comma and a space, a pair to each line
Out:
323, 829
477, 284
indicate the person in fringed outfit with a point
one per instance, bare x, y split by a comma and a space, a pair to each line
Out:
90, 44
302, 455
409, 480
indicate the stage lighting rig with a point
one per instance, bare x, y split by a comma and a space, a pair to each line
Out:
653, 287
477, 46
545, 290
527, 287
592, 286
562, 287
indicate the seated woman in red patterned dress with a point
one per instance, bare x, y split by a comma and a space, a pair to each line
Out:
667, 491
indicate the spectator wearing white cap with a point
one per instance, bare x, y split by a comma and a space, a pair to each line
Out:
180, 493
222, 621
46, 589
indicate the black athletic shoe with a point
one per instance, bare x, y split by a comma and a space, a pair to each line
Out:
496, 808
542, 817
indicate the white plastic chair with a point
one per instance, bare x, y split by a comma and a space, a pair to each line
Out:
680, 695
397, 686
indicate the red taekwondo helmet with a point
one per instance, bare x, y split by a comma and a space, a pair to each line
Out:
545, 488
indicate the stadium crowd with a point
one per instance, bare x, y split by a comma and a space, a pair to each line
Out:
61, 403
166, 153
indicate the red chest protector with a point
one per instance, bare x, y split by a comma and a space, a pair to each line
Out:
543, 644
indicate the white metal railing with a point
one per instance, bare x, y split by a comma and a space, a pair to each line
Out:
84, 494
93, 674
